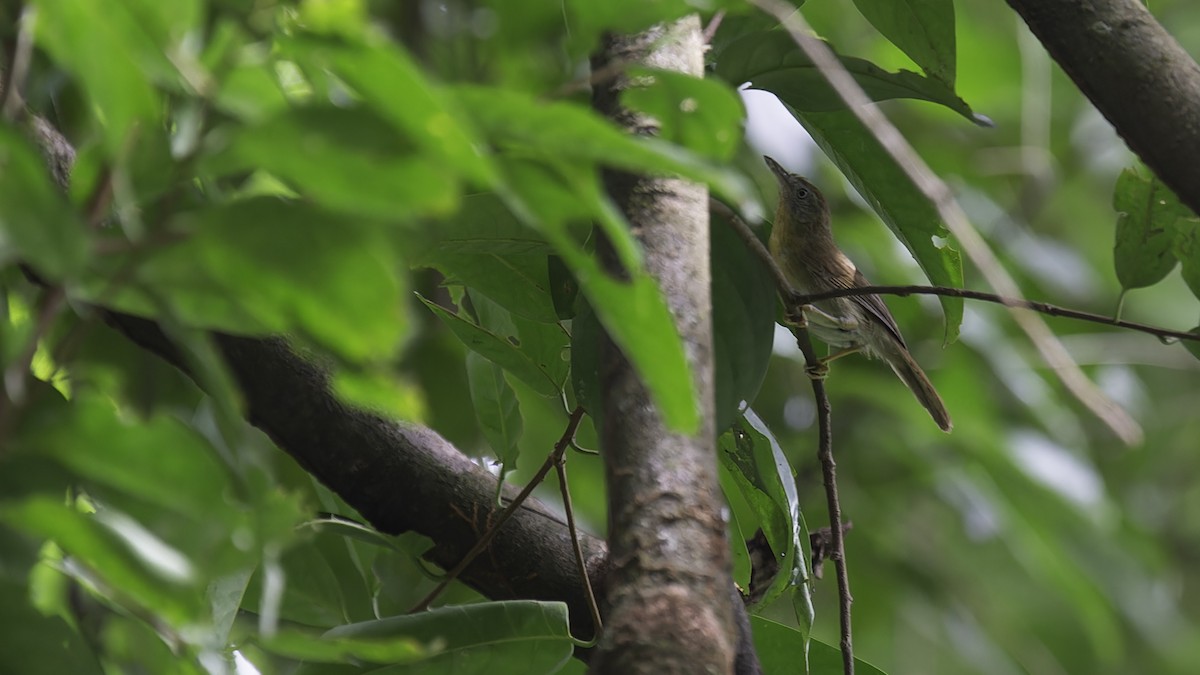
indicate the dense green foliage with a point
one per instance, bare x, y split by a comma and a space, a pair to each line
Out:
409, 191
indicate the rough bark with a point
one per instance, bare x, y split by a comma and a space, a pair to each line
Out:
1135, 73
669, 608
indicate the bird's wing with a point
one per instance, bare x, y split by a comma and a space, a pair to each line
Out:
874, 306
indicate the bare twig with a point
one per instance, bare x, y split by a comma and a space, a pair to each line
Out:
1164, 334
560, 466
479, 547
1051, 350
837, 551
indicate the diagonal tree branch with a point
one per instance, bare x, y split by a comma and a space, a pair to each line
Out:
1135, 73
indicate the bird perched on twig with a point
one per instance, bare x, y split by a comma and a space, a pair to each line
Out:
803, 247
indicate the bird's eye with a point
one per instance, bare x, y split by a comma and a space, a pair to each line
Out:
801, 192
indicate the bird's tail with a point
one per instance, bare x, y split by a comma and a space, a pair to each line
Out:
914, 378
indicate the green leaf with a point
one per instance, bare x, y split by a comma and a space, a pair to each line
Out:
922, 29
349, 160
770, 60
563, 288
103, 45
269, 266
36, 224
473, 639
1193, 346
589, 20
545, 376
519, 283
496, 408
35, 644
316, 648
632, 311
391, 83
781, 649
123, 555
764, 478
1186, 247
101, 448
743, 298
1147, 211
892, 194
408, 543
702, 115
563, 132
585, 362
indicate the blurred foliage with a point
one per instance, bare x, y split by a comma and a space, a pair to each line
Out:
409, 191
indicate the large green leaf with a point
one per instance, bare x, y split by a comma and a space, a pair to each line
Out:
703, 115
161, 461
632, 311
460, 640
535, 367
781, 650
349, 160
1147, 211
567, 132
743, 298
922, 29
270, 266
126, 557
37, 644
752, 456
391, 83
1186, 248
770, 60
107, 50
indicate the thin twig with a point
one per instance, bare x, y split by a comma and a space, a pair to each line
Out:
1164, 334
894, 143
490, 534
825, 432
837, 537
18, 66
560, 467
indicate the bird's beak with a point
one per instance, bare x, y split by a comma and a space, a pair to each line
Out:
780, 172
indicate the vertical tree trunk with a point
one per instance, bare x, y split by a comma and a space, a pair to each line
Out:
669, 604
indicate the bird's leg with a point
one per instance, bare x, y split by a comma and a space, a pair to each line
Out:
820, 369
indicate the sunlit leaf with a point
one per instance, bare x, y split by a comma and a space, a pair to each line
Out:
348, 160
266, 265
703, 115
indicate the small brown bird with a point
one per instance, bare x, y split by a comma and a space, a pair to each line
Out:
803, 247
